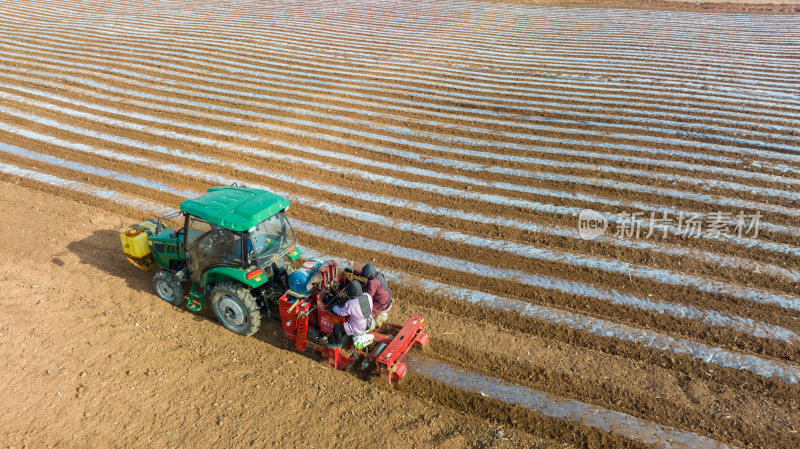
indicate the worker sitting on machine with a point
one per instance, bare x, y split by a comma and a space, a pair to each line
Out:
357, 309
377, 288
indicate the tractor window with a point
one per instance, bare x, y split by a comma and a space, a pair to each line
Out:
197, 229
210, 245
271, 238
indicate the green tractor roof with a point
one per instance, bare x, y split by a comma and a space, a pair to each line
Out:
235, 208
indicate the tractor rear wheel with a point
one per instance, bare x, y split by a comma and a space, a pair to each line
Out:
168, 287
236, 308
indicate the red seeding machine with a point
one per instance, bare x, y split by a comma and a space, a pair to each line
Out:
307, 321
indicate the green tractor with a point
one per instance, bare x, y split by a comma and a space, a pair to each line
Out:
235, 247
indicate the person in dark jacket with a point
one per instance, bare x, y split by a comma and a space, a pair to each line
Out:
377, 288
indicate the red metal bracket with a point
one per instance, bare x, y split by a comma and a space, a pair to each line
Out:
301, 340
402, 342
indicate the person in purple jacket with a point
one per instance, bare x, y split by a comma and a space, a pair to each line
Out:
357, 309
377, 288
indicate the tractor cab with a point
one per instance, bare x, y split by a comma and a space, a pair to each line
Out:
238, 228
208, 245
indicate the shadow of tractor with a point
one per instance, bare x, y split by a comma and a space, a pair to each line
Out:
103, 250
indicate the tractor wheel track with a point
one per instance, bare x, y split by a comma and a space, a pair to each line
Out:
708, 422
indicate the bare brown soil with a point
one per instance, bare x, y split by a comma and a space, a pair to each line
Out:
108, 361
727, 6
93, 358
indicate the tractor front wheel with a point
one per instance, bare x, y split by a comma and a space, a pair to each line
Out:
236, 308
168, 287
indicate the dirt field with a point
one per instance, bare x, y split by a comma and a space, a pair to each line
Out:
454, 144
93, 361
719, 6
